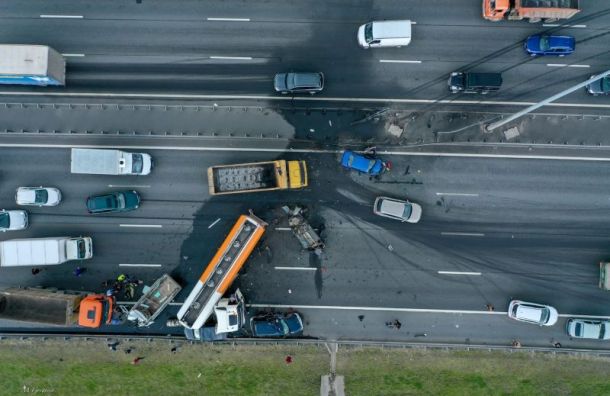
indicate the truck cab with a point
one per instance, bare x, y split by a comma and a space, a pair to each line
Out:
230, 313
494, 10
95, 310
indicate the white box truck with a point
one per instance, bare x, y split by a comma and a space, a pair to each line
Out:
44, 251
110, 162
36, 65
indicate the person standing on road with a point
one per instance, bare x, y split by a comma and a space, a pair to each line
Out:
78, 271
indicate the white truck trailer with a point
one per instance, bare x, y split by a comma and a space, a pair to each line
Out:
110, 162
44, 251
36, 65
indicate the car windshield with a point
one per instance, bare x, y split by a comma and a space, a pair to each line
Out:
283, 326
137, 163
544, 316
368, 32
5, 221
544, 43
120, 201
407, 213
80, 245
605, 84
41, 196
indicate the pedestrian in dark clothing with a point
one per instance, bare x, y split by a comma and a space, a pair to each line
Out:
557, 345
130, 291
397, 324
174, 349
79, 271
35, 271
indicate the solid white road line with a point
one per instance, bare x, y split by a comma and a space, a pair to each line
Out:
134, 302
291, 98
411, 310
232, 57
562, 65
282, 228
73, 55
457, 194
296, 268
565, 26
214, 223
379, 309
476, 234
141, 225
129, 186
459, 273
309, 151
398, 61
140, 265
229, 19
63, 16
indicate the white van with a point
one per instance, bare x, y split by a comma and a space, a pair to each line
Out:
384, 34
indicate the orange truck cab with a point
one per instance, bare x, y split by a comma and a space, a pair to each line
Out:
533, 10
95, 310
494, 10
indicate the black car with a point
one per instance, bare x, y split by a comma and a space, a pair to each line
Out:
298, 82
120, 201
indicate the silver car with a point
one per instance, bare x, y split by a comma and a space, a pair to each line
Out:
588, 328
12, 220
397, 209
38, 196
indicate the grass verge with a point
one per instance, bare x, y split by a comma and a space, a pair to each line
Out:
79, 367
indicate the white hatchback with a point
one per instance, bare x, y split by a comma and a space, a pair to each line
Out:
38, 196
542, 315
397, 209
12, 220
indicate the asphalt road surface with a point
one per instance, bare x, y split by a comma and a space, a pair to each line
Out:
491, 229
231, 47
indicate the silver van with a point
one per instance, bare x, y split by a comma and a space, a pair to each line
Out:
384, 34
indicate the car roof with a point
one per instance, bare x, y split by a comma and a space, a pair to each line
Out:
526, 312
359, 162
313, 80
589, 329
392, 29
392, 207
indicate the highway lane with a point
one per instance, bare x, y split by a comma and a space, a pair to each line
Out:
536, 235
173, 54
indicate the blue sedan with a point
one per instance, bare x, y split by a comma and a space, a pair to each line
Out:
539, 45
276, 325
363, 163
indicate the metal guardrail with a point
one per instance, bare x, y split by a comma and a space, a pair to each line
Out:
311, 342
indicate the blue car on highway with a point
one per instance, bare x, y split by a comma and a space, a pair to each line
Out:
276, 325
540, 44
363, 163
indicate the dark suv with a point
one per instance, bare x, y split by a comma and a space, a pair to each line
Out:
467, 82
298, 82
120, 201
